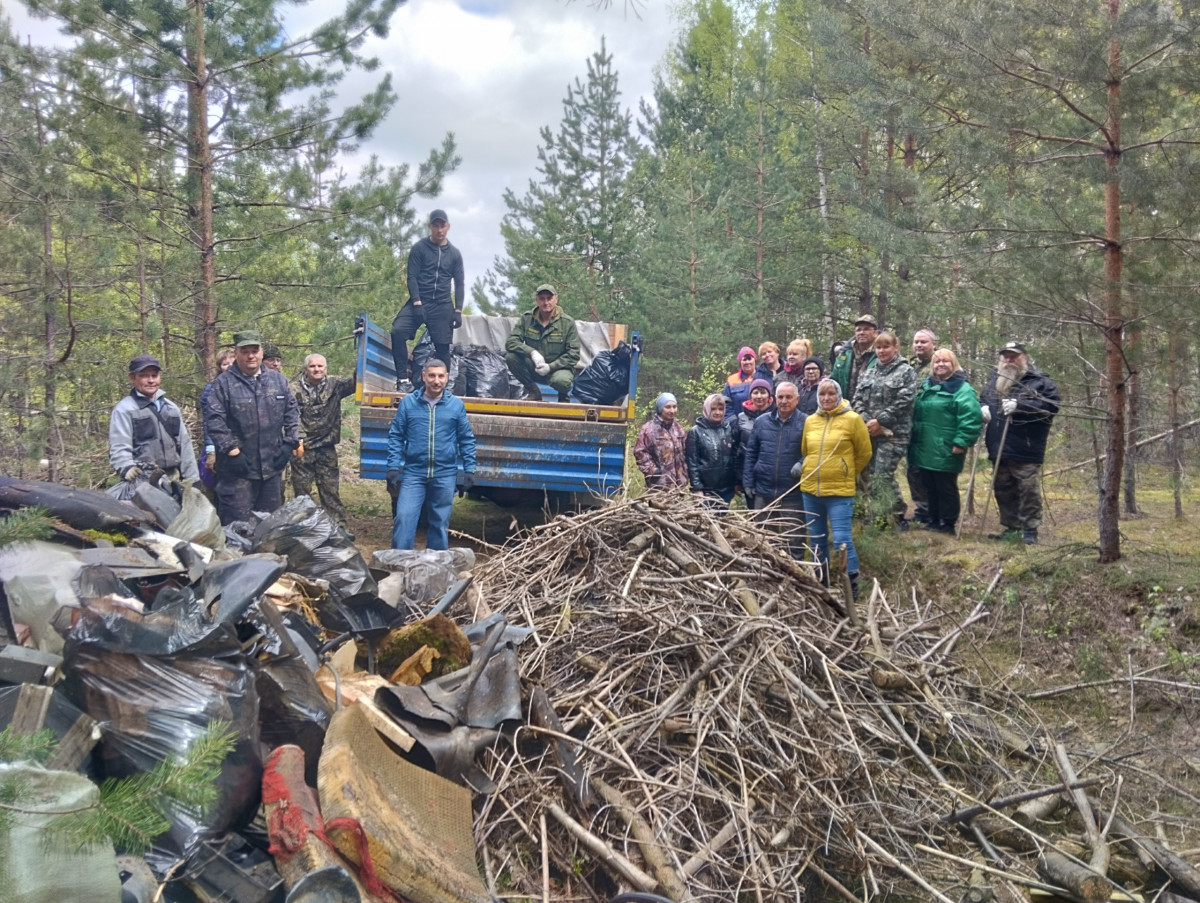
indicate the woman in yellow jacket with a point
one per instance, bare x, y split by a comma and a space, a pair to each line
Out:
836, 448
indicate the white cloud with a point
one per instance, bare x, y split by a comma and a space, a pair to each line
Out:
494, 72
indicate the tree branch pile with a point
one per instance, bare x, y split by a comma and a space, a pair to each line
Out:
705, 724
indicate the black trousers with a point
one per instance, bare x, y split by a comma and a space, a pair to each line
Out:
942, 497
438, 318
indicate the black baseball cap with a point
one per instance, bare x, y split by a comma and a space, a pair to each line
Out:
438, 216
1014, 347
142, 362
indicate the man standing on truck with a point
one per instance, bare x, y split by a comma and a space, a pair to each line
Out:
319, 397
428, 435
436, 288
544, 345
253, 422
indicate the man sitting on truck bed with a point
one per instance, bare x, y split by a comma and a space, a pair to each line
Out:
544, 345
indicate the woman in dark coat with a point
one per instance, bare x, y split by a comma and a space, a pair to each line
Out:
762, 400
712, 453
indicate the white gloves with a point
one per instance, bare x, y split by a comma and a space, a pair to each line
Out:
986, 412
540, 367
1009, 405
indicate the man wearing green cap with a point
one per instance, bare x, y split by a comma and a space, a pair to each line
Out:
544, 345
253, 421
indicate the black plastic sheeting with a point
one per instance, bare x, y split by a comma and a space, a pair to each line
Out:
315, 546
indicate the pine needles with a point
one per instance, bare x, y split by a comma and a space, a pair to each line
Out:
25, 524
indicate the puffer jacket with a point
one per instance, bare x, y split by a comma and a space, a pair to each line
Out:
430, 438
773, 449
745, 421
712, 452
255, 414
885, 393
557, 341
945, 415
836, 448
1037, 403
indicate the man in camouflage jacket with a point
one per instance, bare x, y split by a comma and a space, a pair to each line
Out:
319, 397
884, 399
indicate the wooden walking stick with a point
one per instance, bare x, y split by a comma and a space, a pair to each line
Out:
987, 499
970, 489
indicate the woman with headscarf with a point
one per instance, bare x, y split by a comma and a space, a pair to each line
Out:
836, 448
946, 422
712, 452
659, 450
737, 384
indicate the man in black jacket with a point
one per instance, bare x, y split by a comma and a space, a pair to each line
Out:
1025, 398
252, 419
436, 289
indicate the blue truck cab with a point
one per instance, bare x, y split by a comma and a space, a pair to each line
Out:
526, 450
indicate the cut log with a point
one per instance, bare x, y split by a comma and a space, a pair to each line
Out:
1078, 879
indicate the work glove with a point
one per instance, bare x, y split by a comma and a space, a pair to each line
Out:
749, 498
393, 482
457, 318
797, 470
1009, 405
467, 484
283, 454
540, 367
234, 466
986, 412
132, 472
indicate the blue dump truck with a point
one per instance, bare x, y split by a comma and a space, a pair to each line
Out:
527, 450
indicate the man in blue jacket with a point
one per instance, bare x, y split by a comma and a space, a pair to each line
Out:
429, 433
771, 452
436, 289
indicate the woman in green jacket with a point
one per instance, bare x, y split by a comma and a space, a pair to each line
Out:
946, 422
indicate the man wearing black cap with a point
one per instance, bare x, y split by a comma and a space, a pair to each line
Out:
1026, 399
851, 362
146, 429
252, 419
544, 345
436, 288
272, 358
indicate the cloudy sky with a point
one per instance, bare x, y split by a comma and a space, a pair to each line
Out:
494, 72
491, 71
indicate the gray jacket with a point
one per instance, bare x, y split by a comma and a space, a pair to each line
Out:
139, 432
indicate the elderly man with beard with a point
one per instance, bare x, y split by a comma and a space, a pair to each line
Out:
1018, 406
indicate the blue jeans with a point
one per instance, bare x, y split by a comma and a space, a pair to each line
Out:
417, 491
836, 511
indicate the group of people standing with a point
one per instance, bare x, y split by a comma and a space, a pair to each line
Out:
805, 446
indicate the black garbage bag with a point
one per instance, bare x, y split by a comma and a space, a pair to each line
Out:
423, 351
315, 546
606, 378
156, 681
487, 373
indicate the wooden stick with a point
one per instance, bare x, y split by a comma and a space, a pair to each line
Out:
545, 860
1185, 876
1000, 873
1147, 441
722, 837
1091, 829
610, 857
967, 813
904, 869
654, 855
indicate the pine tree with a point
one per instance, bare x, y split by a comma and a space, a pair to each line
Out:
576, 226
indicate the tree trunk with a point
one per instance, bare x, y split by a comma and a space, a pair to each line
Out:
1133, 428
200, 194
1173, 408
50, 316
1114, 358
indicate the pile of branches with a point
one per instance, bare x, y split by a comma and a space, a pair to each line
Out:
708, 722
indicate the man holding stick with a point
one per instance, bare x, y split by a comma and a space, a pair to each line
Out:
1018, 406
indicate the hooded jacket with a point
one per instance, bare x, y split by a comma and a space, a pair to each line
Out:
712, 451
945, 414
836, 448
773, 449
1037, 402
